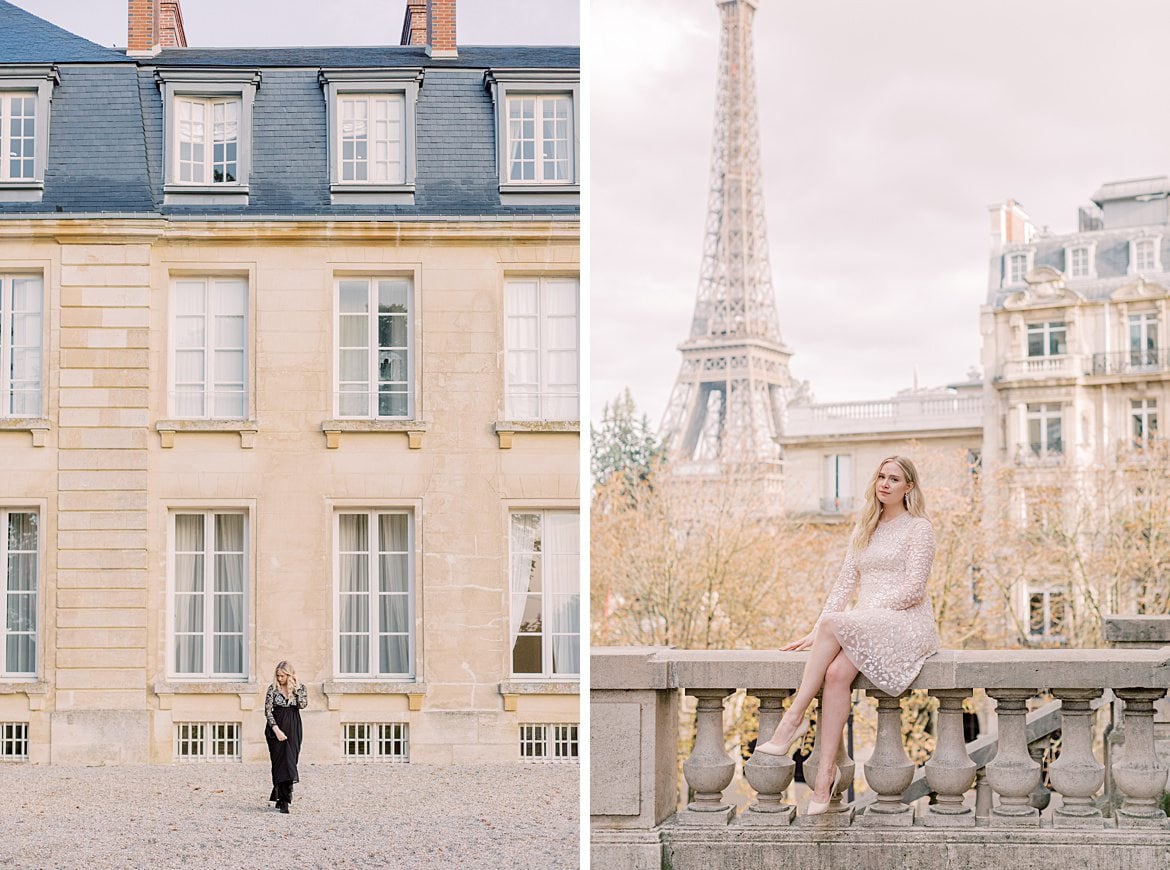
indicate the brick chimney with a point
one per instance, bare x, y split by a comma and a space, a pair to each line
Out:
441, 28
414, 26
1010, 223
153, 25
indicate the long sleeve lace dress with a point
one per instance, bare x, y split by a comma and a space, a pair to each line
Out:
890, 632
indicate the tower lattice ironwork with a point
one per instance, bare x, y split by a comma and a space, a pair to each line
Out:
728, 401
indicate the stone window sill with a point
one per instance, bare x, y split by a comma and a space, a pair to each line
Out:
413, 429
505, 429
205, 194
34, 690
37, 427
167, 689
336, 689
246, 429
512, 689
22, 190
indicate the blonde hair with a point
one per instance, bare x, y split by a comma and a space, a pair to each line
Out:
286, 666
914, 501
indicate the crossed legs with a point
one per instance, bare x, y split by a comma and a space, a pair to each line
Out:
829, 672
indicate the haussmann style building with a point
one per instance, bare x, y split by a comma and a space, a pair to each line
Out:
289, 370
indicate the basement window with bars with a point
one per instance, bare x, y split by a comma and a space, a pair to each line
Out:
548, 742
375, 741
207, 741
14, 741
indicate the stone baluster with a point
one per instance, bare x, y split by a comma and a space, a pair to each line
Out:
888, 771
1077, 775
1041, 794
950, 771
1013, 774
1138, 774
769, 775
982, 795
709, 769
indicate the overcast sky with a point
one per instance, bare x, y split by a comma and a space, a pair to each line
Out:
887, 130
214, 23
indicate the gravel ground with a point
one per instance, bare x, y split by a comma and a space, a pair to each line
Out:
217, 815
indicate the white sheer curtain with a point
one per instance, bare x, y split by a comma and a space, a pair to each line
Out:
394, 594
21, 629
562, 586
229, 594
25, 347
353, 348
189, 593
560, 363
525, 534
522, 344
229, 299
353, 593
190, 348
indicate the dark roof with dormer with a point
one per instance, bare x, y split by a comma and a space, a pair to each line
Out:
106, 127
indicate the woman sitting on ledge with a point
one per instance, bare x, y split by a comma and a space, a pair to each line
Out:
886, 636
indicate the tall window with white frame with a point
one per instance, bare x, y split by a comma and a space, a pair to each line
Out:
1044, 429
21, 305
207, 135
1143, 339
375, 358
1145, 255
371, 140
540, 138
1049, 338
375, 594
209, 377
208, 594
1143, 415
1078, 262
546, 594
18, 135
20, 561
541, 340
838, 483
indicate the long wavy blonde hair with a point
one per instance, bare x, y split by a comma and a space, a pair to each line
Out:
286, 666
914, 501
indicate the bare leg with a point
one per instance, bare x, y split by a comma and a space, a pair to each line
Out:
824, 649
835, 702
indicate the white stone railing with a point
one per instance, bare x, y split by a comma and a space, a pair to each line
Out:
1063, 366
928, 412
634, 698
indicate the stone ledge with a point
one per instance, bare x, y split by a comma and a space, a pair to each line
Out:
336, 689
247, 430
246, 691
413, 429
748, 848
34, 690
658, 668
505, 429
37, 427
1149, 631
512, 689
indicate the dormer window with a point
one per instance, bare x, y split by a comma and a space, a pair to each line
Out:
1143, 255
207, 134
1016, 266
371, 134
537, 134
1079, 261
25, 94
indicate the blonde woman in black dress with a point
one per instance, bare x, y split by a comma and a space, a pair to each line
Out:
283, 703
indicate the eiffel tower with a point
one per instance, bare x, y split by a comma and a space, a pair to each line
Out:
728, 402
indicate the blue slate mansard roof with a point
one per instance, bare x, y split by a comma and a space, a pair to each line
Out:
106, 134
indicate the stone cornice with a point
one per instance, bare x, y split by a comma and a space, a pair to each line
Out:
467, 230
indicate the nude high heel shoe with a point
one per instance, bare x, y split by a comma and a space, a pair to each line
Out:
815, 808
773, 748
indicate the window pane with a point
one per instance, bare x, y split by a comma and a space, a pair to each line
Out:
393, 655
20, 650
395, 613
22, 532
526, 655
354, 297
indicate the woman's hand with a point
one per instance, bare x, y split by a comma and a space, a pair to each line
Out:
801, 644
280, 735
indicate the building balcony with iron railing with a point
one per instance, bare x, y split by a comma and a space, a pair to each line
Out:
1152, 361
1031, 787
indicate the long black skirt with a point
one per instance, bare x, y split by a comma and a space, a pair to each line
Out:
284, 753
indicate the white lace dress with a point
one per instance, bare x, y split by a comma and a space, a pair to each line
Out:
890, 631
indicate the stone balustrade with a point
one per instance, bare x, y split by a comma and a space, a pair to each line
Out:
986, 798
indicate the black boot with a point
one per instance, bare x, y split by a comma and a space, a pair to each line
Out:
282, 806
